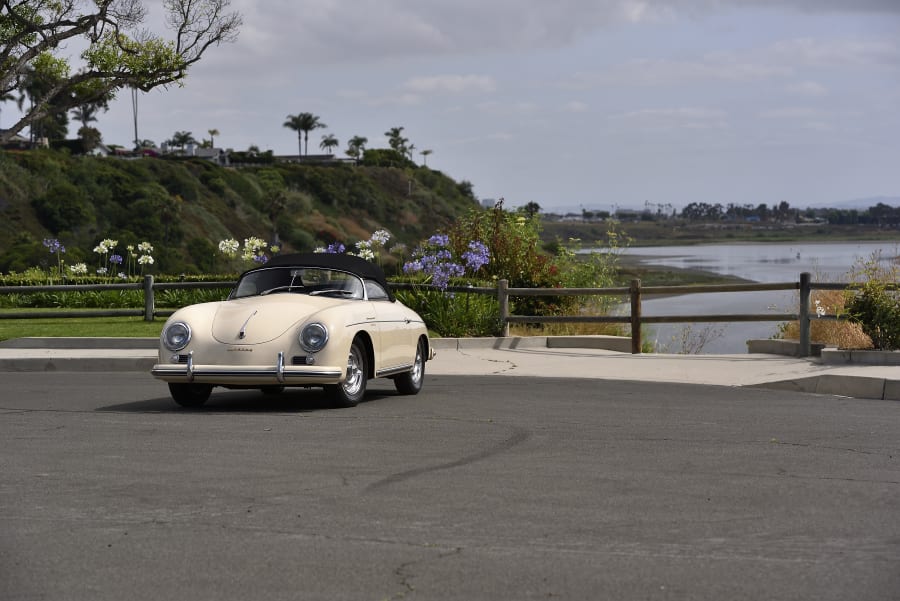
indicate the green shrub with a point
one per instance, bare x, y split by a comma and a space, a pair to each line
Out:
875, 305
63, 207
515, 253
452, 314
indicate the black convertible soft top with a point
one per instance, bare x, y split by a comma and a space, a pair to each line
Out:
343, 262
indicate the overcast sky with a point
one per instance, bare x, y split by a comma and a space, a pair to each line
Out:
568, 103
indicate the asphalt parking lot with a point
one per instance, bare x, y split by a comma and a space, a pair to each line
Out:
481, 487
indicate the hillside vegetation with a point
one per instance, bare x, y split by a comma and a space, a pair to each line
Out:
184, 207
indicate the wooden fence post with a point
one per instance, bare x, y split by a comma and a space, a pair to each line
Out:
635, 292
149, 301
503, 299
803, 314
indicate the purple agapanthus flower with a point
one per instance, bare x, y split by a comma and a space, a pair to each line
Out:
116, 259
54, 246
439, 240
477, 256
435, 259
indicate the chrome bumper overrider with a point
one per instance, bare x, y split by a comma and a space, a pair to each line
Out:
236, 374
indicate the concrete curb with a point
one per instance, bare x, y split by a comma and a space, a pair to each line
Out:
80, 343
858, 387
140, 354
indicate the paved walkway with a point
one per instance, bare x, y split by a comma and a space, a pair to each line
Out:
568, 357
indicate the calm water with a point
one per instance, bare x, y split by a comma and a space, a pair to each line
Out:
755, 262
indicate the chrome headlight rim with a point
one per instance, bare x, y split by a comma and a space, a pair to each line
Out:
313, 337
167, 340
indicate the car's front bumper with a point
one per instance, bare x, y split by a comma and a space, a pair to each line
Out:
276, 374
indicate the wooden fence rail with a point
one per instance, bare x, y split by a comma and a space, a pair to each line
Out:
635, 293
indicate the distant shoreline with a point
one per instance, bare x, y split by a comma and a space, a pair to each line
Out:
671, 233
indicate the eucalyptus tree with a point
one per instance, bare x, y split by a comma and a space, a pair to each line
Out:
303, 123
118, 50
329, 143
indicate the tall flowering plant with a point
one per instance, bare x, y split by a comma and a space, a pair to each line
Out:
254, 249
435, 260
447, 313
139, 256
56, 248
370, 249
106, 248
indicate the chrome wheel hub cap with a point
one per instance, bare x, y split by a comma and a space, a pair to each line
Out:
355, 375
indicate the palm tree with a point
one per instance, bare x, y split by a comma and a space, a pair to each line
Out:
396, 139
303, 123
85, 113
425, 154
356, 146
212, 137
329, 143
182, 139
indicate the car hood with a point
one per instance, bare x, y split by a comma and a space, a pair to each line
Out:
260, 319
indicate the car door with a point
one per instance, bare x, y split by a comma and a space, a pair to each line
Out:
395, 331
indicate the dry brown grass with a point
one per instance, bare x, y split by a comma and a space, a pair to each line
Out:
841, 334
566, 329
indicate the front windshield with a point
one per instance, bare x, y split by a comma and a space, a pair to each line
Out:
313, 281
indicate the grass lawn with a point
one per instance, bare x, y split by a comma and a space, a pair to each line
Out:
105, 327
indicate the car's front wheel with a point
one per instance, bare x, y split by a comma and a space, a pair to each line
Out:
411, 382
352, 390
190, 395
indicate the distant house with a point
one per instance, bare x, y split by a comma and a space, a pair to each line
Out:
217, 155
101, 150
17, 142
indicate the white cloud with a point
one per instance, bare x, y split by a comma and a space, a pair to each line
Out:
675, 118
451, 84
807, 88
808, 113
834, 52
575, 106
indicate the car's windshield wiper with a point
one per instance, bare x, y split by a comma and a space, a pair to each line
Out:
332, 291
280, 289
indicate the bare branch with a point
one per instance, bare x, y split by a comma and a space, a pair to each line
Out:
32, 28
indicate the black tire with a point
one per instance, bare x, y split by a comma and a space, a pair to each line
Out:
190, 395
270, 390
411, 382
352, 390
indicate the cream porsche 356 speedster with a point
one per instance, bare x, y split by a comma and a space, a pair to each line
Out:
302, 320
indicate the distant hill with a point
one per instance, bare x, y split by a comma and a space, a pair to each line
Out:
184, 207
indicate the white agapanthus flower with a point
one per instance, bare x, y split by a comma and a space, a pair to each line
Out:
229, 247
366, 253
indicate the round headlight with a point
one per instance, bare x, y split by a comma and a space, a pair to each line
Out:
313, 337
176, 336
